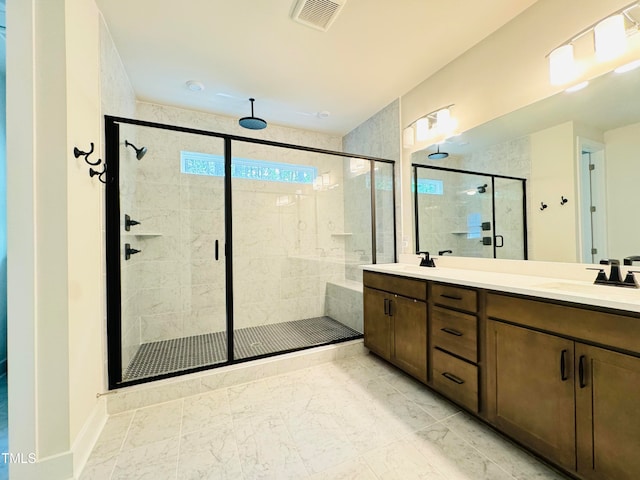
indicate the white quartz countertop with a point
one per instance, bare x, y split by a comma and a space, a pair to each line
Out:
580, 292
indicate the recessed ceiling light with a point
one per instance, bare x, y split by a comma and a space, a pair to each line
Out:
195, 86
323, 114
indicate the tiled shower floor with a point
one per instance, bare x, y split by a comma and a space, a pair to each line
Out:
165, 356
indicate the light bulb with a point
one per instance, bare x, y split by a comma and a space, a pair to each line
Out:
610, 38
562, 67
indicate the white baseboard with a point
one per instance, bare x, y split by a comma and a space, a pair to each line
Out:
58, 467
86, 439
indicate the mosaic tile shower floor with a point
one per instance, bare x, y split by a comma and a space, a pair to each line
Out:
165, 356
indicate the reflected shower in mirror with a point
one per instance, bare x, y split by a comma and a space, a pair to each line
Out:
469, 214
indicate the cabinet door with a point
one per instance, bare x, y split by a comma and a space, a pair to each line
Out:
530, 389
410, 335
608, 419
377, 324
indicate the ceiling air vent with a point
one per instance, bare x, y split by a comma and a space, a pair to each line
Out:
318, 14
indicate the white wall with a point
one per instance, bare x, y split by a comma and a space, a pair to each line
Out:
622, 163
84, 202
553, 174
55, 276
37, 242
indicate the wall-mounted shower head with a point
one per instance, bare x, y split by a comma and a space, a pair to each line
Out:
252, 123
140, 152
482, 188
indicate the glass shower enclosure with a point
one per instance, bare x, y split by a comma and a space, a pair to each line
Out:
469, 214
222, 249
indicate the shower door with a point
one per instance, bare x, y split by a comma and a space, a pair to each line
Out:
172, 262
510, 232
453, 213
470, 214
289, 246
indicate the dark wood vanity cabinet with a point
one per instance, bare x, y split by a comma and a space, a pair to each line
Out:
574, 403
454, 343
395, 324
531, 389
607, 414
561, 379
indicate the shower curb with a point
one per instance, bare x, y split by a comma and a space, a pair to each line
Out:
138, 396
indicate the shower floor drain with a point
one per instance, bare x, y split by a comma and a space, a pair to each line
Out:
167, 356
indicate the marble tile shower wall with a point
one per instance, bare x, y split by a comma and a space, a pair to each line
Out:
511, 158
286, 242
118, 98
130, 319
285, 246
378, 137
179, 286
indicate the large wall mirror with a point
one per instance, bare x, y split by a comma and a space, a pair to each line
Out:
580, 155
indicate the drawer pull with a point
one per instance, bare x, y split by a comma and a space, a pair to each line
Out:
451, 331
450, 297
563, 366
386, 306
453, 378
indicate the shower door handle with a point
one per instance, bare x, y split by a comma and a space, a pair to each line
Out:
501, 241
216, 250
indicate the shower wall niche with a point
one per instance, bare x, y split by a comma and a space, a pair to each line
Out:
223, 248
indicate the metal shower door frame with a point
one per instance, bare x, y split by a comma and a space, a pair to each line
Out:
113, 240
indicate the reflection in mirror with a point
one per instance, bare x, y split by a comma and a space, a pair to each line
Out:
551, 144
469, 214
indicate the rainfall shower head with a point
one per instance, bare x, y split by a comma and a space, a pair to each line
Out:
438, 155
140, 152
252, 123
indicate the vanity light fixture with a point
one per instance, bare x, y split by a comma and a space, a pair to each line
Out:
610, 40
434, 127
562, 65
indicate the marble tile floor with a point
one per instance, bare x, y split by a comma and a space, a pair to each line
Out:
354, 418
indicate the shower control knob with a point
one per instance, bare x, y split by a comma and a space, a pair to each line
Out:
128, 251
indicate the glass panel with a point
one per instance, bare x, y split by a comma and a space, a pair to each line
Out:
173, 313
453, 213
289, 248
385, 232
357, 218
509, 228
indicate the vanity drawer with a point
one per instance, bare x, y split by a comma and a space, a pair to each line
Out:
454, 297
403, 286
456, 379
455, 332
